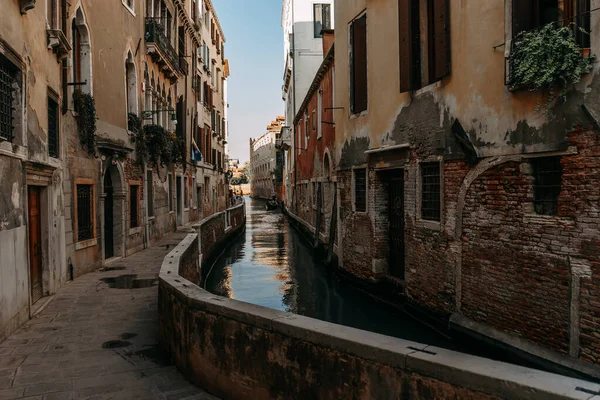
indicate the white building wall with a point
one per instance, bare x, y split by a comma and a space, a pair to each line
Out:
303, 54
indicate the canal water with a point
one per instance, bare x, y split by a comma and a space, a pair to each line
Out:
272, 265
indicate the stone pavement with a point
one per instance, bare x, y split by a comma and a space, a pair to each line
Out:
97, 339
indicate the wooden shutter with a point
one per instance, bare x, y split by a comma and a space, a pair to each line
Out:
405, 45
439, 39
326, 16
523, 15
359, 64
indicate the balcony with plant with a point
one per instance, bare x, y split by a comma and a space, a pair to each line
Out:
547, 59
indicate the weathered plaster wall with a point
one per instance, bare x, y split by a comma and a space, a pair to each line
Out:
40, 74
498, 121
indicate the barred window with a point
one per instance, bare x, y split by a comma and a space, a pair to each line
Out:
52, 128
360, 190
134, 215
8, 82
85, 220
547, 184
430, 191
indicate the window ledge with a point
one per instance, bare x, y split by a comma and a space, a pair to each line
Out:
151, 218
128, 8
135, 231
84, 244
541, 219
171, 212
358, 115
227, 229
427, 224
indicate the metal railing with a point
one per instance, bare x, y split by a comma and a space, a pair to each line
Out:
155, 33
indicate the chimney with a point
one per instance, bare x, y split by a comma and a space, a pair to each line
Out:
328, 38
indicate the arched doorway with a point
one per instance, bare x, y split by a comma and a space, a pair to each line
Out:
113, 198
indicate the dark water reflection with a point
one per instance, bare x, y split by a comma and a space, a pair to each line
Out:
272, 266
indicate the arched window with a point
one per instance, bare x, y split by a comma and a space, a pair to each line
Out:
82, 55
131, 82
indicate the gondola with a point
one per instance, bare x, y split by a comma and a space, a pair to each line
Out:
271, 205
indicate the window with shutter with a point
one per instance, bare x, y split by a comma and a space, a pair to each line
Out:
439, 35
530, 14
410, 45
321, 18
358, 65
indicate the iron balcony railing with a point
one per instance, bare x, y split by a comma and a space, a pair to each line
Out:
155, 33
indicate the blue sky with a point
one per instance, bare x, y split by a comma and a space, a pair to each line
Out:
254, 48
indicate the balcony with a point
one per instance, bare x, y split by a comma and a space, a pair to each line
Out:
160, 48
58, 43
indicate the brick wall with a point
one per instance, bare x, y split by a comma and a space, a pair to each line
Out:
213, 231
430, 256
491, 257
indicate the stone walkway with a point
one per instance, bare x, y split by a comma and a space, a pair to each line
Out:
97, 339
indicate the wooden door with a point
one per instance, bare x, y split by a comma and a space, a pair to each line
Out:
35, 242
396, 217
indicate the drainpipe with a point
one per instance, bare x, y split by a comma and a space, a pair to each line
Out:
294, 106
146, 216
64, 61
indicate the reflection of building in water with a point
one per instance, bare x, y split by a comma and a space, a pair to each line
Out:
224, 287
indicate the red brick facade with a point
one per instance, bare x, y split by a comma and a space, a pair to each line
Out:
314, 162
491, 257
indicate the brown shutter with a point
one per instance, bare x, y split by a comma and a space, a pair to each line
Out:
359, 64
439, 40
523, 16
405, 45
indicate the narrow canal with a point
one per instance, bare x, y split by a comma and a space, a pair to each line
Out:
271, 265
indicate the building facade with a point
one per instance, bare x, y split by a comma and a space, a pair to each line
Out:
453, 187
33, 191
263, 162
303, 22
99, 139
314, 175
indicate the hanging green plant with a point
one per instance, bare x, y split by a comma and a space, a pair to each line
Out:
155, 146
546, 57
156, 141
86, 120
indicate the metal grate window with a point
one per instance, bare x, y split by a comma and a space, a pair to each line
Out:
85, 221
430, 195
134, 220
547, 184
7, 82
360, 190
52, 128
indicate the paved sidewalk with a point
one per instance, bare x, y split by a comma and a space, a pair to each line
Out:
94, 341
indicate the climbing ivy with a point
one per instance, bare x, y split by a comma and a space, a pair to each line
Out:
86, 120
542, 58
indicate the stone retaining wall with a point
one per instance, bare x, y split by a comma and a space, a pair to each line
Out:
238, 350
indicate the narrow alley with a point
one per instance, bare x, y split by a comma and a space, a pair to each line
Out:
97, 339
